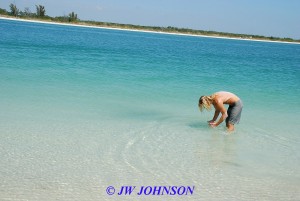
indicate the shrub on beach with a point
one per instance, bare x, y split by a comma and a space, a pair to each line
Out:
3, 12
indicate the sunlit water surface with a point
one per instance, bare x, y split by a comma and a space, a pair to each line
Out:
83, 109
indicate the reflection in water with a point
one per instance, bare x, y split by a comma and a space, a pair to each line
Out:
198, 125
222, 149
218, 146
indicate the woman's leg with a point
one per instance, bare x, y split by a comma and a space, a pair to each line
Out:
230, 127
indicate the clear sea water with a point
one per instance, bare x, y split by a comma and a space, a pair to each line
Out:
84, 108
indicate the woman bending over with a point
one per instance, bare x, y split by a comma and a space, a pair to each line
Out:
231, 116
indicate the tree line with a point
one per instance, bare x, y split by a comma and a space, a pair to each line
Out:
40, 13
72, 18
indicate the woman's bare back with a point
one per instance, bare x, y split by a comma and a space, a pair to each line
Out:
226, 97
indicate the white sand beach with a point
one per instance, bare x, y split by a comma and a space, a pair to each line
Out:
136, 30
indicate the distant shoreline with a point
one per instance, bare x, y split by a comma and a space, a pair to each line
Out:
87, 25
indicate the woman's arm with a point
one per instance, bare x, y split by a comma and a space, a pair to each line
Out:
217, 112
221, 109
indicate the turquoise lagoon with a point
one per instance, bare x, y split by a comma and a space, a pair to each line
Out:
87, 108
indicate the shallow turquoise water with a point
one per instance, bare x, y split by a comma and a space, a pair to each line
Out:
84, 108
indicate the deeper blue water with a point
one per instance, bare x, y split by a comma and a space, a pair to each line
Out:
86, 108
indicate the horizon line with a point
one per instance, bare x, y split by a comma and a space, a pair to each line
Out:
137, 30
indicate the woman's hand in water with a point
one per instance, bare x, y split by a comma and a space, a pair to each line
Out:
211, 121
212, 124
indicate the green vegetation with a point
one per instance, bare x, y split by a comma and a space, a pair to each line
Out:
3, 12
40, 11
14, 11
73, 19
26, 12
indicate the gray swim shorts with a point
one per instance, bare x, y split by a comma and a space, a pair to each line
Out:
234, 112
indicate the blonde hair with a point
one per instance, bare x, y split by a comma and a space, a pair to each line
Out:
205, 102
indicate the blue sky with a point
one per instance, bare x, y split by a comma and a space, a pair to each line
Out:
260, 17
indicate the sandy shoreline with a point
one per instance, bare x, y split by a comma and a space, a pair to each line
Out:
136, 30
